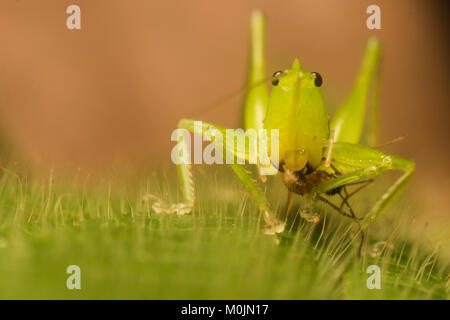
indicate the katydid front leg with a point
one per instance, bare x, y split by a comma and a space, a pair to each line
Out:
357, 162
218, 136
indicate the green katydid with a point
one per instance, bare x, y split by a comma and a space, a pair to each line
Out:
318, 157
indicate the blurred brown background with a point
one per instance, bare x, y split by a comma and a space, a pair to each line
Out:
113, 91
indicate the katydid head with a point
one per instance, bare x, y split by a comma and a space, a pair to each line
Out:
297, 110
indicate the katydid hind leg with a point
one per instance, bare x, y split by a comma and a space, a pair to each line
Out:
349, 119
257, 98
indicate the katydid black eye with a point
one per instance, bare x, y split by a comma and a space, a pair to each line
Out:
317, 79
275, 77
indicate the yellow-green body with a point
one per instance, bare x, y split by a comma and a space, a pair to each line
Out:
297, 110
